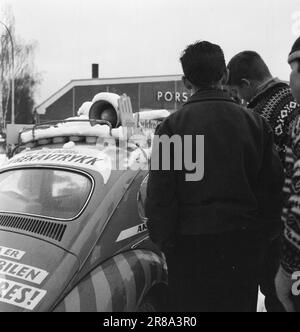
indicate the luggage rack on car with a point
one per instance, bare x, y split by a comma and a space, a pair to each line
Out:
55, 124
63, 131
92, 132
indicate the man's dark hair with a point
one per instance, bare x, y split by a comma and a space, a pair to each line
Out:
203, 63
294, 54
248, 65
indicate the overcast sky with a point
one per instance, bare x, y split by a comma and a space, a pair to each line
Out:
145, 37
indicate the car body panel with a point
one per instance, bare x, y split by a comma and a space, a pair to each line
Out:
101, 259
33, 273
118, 285
104, 259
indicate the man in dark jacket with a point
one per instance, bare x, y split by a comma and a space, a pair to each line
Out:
271, 98
212, 226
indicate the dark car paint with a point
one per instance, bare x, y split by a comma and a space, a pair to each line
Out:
89, 240
60, 264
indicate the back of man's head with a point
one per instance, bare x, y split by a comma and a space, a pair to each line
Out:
247, 65
203, 63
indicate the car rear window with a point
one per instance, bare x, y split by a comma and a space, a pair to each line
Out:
44, 192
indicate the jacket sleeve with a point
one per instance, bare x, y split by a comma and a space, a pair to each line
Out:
291, 213
271, 179
161, 202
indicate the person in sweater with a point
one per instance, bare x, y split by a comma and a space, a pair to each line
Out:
287, 279
251, 79
212, 228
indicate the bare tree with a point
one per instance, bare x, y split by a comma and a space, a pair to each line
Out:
26, 77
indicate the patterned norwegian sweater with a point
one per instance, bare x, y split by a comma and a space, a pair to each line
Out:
291, 212
276, 104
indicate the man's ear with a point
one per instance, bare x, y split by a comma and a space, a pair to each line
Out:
187, 83
246, 83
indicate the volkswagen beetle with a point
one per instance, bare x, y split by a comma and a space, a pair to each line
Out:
73, 234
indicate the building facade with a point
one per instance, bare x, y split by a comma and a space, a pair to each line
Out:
153, 92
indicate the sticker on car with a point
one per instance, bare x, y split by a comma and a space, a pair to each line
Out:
131, 232
96, 161
20, 295
23, 272
11, 253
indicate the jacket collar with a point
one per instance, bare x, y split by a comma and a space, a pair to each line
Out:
270, 84
210, 95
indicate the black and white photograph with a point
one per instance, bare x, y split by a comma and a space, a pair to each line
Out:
149, 159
